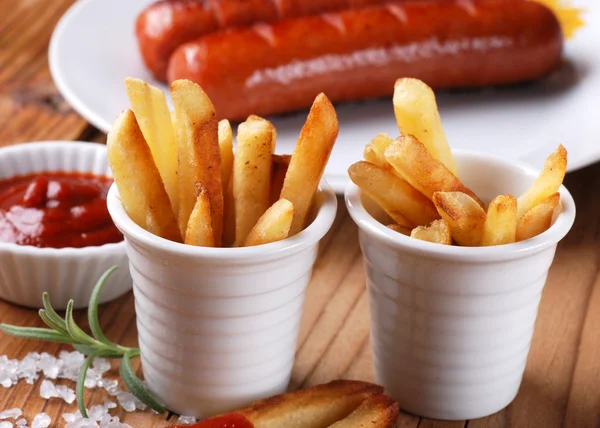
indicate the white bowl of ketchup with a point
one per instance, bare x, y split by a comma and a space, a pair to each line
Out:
56, 234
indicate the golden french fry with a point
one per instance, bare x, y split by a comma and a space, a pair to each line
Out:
377, 411
437, 232
274, 225
140, 187
539, 218
400, 229
279, 167
154, 118
199, 230
412, 160
226, 149
254, 118
399, 199
251, 175
316, 407
228, 215
417, 114
547, 183
308, 162
464, 216
500, 221
199, 156
375, 150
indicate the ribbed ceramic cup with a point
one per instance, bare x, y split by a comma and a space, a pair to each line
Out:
217, 327
65, 273
451, 326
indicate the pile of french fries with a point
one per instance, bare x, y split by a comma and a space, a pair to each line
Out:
415, 181
179, 178
338, 404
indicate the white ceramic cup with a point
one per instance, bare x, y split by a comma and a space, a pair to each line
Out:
217, 327
65, 273
451, 326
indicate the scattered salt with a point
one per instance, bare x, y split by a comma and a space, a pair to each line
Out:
6, 424
11, 414
127, 401
48, 390
109, 404
21, 422
66, 393
41, 420
97, 412
101, 365
186, 420
112, 387
49, 365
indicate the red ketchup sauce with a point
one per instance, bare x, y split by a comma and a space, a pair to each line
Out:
229, 420
56, 210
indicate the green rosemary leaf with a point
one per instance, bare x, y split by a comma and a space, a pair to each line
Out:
76, 333
37, 334
50, 322
135, 385
93, 308
88, 350
52, 313
80, 388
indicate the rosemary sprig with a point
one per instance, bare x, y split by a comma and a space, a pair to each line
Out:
67, 331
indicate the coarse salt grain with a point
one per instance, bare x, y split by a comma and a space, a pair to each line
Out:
48, 390
21, 422
186, 420
6, 424
11, 414
66, 393
41, 420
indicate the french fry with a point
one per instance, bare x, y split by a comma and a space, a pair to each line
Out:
228, 215
412, 160
310, 157
274, 225
437, 232
226, 149
154, 118
417, 114
141, 189
464, 216
377, 411
547, 183
279, 167
375, 150
500, 221
316, 407
199, 229
402, 202
539, 218
199, 157
400, 229
251, 175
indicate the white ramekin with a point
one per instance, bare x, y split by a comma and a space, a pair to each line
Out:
451, 326
217, 327
65, 273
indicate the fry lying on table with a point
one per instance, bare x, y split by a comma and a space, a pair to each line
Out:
338, 404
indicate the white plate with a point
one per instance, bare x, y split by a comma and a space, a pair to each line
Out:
93, 49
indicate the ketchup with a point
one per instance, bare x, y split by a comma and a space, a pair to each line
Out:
229, 420
56, 210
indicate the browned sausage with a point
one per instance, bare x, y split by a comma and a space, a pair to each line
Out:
358, 54
166, 24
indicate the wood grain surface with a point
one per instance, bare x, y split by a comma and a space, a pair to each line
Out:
561, 382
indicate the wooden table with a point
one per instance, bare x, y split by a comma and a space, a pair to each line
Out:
561, 384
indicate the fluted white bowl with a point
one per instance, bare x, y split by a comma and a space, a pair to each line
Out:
451, 326
217, 327
65, 273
